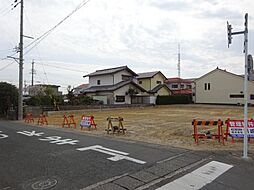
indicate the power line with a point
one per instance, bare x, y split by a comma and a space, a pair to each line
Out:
9, 64
43, 36
64, 68
44, 71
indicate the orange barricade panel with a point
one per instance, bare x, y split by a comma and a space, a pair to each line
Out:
29, 118
42, 120
209, 134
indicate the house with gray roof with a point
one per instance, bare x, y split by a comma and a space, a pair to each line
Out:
115, 86
153, 83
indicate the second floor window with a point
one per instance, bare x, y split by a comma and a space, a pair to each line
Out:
207, 86
98, 82
174, 86
158, 82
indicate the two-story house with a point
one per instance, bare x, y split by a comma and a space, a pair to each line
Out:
114, 86
153, 83
39, 89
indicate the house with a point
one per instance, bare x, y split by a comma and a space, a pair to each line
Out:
180, 86
79, 89
222, 87
153, 83
39, 89
115, 86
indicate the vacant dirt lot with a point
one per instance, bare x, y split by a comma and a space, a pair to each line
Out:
166, 125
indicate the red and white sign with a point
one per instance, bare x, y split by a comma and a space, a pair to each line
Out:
86, 121
236, 128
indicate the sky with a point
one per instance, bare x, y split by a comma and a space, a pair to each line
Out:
142, 34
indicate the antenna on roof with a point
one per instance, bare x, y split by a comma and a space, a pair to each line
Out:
179, 59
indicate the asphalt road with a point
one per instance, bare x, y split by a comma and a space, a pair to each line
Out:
32, 155
40, 158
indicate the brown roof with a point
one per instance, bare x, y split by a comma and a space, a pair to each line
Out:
178, 80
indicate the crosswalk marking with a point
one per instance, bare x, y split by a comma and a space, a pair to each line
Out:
198, 178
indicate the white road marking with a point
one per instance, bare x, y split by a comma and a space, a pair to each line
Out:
30, 134
117, 155
198, 178
58, 140
3, 136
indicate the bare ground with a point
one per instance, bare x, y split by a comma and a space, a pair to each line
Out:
166, 125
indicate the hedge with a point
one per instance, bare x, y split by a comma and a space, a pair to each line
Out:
174, 99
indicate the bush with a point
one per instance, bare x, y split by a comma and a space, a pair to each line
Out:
174, 99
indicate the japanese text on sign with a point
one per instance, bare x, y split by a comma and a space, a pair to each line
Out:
236, 128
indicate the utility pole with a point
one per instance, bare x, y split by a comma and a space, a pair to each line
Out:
33, 72
246, 97
179, 68
20, 99
178, 64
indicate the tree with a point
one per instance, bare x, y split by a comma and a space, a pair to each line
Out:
8, 97
70, 95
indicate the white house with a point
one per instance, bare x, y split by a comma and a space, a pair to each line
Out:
114, 86
222, 87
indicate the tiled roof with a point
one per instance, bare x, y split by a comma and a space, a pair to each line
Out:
147, 74
108, 88
182, 91
158, 87
178, 80
111, 71
82, 86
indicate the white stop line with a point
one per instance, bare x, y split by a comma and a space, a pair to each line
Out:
199, 177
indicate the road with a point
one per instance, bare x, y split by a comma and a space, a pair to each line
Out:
38, 158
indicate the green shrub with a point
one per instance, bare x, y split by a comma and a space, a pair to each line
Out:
174, 99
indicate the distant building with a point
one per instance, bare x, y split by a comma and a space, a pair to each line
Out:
222, 87
39, 89
180, 86
153, 83
79, 89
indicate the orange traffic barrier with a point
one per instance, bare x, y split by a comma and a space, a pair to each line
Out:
208, 135
42, 120
69, 121
87, 121
29, 118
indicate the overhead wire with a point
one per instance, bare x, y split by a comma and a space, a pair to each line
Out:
44, 71
64, 68
9, 64
43, 36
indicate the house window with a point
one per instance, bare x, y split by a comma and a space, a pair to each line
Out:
126, 77
158, 82
174, 86
207, 86
120, 98
182, 85
252, 96
236, 95
140, 82
188, 86
98, 82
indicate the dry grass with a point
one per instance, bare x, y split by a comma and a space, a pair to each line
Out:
166, 125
